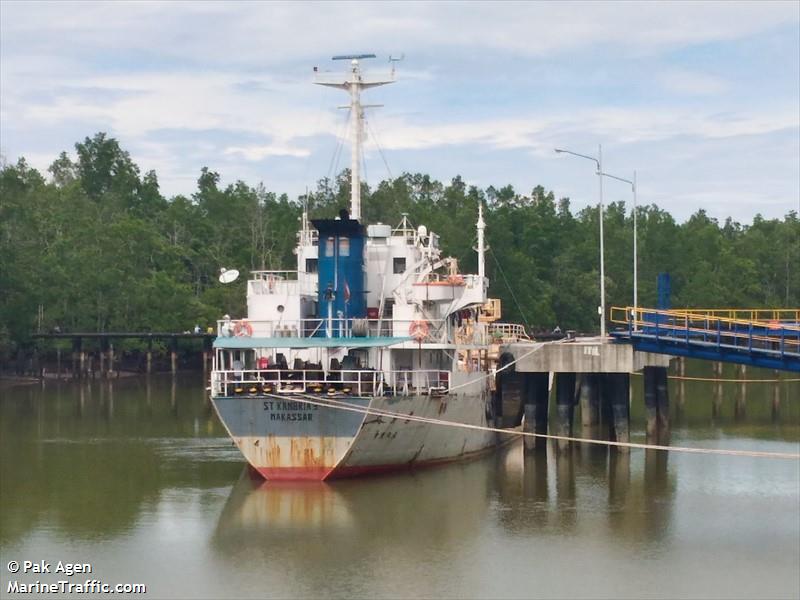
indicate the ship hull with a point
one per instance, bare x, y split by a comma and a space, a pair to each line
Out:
289, 440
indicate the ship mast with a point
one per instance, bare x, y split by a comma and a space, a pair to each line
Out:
354, 85
481, 244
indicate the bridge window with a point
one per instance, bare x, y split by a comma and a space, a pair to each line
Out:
344, 246
399, 265
311, 265
329, 246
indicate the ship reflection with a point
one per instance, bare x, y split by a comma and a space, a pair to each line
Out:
443, 505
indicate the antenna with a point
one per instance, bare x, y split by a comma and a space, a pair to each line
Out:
228, 275
353, 83
395, 59
352, 56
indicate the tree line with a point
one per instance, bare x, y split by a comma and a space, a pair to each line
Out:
93, 245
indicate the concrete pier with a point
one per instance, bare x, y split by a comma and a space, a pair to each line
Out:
602, 369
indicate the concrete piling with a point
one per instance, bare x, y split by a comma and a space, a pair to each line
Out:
650, 401
616, 395
589, 400
536, 405
565, 406
662, 398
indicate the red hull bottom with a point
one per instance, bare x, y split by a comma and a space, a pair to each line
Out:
343, 472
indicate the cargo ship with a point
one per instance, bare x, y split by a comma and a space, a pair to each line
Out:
349, 363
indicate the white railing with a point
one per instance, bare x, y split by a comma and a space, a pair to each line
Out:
323, 328
506, 332
283, 283
315, 381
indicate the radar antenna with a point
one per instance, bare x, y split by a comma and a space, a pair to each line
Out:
354, 84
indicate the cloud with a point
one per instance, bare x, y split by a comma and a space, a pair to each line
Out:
486, 90
260, 152
682, 81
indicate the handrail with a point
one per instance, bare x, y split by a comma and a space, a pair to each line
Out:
767, 337
639, 319
791, 315
508, 331
318, 327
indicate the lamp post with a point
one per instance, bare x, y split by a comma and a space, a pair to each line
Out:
635, 259
599, 162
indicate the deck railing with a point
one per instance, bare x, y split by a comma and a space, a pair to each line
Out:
359, 382
333, 328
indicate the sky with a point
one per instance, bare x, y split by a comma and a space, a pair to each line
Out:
701, 99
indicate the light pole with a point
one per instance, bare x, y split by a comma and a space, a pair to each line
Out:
635, 259
599, 162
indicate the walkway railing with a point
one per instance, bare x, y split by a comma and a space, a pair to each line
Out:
774, 343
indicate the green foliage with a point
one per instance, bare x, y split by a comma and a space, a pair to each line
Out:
98, 247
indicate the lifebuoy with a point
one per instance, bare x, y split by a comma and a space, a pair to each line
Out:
455, 279
418, 330
242, 329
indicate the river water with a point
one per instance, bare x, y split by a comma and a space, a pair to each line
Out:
137, 478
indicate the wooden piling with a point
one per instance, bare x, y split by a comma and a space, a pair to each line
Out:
776, 397
110, 359
174, 355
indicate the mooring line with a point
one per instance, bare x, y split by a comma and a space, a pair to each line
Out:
732, 380
347, 406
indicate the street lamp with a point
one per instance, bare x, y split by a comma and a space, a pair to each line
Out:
599, 162
635, 261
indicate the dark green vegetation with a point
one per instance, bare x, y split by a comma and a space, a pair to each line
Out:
98, 248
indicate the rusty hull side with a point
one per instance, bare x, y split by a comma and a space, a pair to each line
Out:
289, 440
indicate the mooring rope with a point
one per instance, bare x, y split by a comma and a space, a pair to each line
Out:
347, 406
730, 380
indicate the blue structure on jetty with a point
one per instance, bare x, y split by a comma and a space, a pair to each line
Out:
761, 338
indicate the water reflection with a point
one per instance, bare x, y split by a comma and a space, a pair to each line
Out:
83, 459
556, 491
141, 468
435, 505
